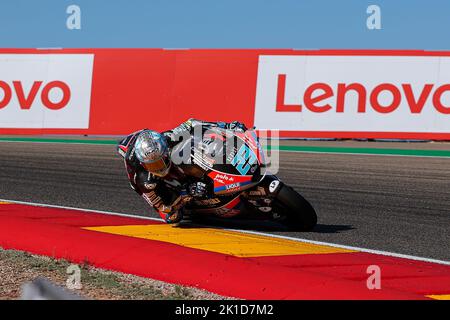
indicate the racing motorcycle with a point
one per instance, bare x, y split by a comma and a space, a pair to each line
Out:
234, 163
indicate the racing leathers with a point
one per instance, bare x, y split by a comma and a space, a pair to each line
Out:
168, 194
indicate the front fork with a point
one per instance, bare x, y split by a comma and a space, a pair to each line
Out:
261, 197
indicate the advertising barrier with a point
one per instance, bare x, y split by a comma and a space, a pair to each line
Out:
45, 91
353, 94
315, 94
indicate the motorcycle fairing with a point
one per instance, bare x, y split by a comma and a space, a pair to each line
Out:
228, 183
225, 206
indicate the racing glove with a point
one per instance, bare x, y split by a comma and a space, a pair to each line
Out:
198, 190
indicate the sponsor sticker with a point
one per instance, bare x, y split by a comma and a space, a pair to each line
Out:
274, 185
223, 178
233, 186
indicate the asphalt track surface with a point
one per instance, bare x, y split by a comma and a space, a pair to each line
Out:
399, 204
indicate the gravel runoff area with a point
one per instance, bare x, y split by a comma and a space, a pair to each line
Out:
18, 268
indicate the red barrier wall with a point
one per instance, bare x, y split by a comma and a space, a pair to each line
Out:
158, 89
136, 88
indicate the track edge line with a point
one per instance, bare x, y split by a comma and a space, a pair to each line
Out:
373, 251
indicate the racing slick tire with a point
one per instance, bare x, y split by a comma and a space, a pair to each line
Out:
298, 213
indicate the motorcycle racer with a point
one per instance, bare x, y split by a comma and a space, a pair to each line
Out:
153, 175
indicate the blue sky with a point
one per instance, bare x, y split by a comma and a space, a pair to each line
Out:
301, 24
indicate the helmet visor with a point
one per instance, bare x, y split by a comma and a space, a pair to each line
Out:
159, 167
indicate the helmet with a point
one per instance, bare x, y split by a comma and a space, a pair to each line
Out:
152, 152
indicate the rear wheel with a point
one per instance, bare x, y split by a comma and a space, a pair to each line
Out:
296, 212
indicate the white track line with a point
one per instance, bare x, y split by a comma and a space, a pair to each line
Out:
379, 252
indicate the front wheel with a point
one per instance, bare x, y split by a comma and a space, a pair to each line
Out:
297, 213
